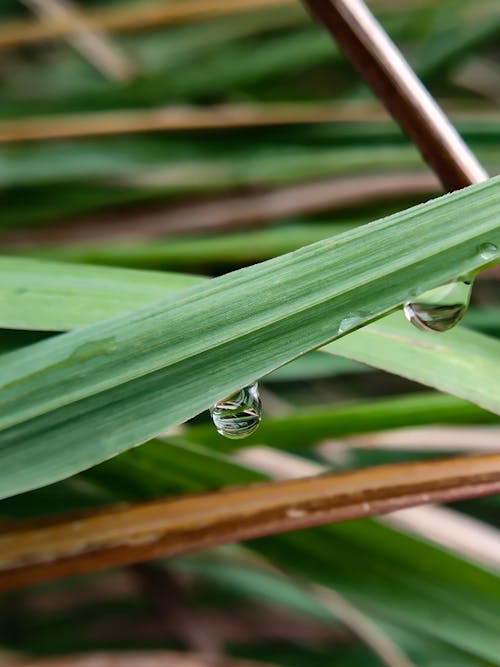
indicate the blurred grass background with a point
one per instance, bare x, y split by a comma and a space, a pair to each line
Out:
203, 144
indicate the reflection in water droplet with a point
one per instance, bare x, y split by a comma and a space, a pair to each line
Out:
439, 309
488, 250
238, 415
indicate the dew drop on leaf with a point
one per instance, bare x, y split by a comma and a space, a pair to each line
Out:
488, 251
439, 309
350, 322
238, 415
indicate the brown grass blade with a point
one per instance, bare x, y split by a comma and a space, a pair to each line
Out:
470, 538
181, 118
256, 209
429, 438
39, 551
136, 16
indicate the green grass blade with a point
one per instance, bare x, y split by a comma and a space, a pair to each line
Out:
389, 576
91, 393
246, 247
445, 360
51, 296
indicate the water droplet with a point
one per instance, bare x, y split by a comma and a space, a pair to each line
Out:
439, 309
488, 251
238, 415
350, 322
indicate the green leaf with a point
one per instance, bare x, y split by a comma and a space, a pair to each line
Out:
447, 362
51, 296
89, 394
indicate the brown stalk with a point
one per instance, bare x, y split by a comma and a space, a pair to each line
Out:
147, 15
137, 16
385, 70
228, 213
39, 551
451, 530
180, 118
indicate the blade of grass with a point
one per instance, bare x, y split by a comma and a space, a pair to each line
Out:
460, 534
172, 164
84, 397
432, 438
388, 575
178, 118
48, 296
463, 351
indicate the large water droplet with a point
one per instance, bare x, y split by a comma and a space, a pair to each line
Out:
238, 415
439, 309
488, 251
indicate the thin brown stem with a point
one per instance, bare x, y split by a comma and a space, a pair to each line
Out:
385, 70
470, 538
180, 118
136, 16
40, 551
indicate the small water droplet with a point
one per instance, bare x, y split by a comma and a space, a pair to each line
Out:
350, 322
238, 415
439, 309
488, 251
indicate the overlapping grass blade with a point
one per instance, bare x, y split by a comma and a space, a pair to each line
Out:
443, 362
51, 296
